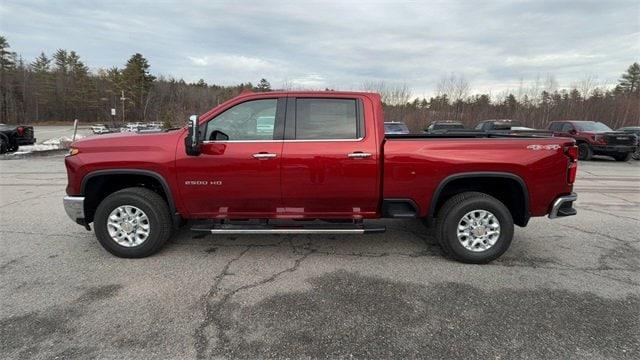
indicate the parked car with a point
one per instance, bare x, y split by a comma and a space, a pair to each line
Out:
326, 159
133, 127
636, 131
395, 127
596, 138
12, 136
444, 125
497, 124
100, 129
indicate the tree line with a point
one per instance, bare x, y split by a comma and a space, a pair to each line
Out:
60, 87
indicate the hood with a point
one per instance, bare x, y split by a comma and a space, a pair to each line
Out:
128, 141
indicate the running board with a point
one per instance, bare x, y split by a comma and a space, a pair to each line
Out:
229, 229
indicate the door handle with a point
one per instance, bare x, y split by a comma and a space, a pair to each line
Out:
264, 155
359, 155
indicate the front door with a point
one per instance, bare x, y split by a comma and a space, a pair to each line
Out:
330, 159
238, 177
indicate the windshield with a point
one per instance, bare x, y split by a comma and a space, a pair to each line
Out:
594, 126
447, 126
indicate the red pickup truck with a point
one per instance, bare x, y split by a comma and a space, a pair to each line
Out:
315, 162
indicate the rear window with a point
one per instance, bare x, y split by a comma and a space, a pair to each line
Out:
318, 119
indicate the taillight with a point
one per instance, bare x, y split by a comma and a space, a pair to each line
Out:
572, 170
20, 130
572, 152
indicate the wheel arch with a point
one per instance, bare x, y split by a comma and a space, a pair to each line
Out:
119, 179
487, 182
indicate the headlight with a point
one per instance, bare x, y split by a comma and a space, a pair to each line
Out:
73, 151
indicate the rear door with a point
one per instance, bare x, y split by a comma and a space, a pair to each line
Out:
330, 157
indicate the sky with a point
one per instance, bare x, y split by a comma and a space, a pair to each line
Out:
494, 45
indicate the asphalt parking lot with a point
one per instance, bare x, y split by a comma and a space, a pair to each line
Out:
567, 288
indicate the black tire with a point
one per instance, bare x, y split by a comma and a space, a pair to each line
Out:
452, 213
152, 204
4, 145
623, 157
584, 151
636, 154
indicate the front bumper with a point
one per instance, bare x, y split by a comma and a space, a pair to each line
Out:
563, 206
74, 206
21, 141
613, 149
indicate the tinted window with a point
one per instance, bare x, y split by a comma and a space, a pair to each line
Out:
251, 120
479, 126
447, 126
555, 126
326, 119
566, 127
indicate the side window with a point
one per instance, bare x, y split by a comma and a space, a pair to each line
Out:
555, 126
479, 126
318, 119
251, 120
566, 127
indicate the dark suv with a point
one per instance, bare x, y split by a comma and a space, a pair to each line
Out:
444, 125
498, 124
596, 138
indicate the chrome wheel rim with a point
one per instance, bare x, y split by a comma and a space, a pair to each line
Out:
128, 226
478, 230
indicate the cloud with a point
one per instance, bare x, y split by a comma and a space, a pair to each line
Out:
339, 44
232, 62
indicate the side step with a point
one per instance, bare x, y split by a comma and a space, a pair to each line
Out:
289, 228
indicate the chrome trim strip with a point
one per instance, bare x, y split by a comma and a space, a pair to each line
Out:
558, 203
283, 231
274, 141
74, 207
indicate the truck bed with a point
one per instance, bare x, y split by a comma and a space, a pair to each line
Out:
475, 134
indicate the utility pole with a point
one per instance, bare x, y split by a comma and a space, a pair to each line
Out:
123, 99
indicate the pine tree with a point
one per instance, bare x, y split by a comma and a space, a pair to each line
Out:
41, 64
630, 81
137, 82
263, 86
60, 60
7, 57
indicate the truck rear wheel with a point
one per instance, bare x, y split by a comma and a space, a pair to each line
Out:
133, 223
584, 151
474, 227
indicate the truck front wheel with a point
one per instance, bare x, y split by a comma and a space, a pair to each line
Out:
133, 222
474, 227
623, 156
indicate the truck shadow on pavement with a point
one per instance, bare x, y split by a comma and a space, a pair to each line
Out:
346, 314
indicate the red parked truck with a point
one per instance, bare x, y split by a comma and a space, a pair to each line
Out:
596, 138
315, 162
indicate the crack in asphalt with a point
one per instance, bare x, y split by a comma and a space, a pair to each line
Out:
599, 234
31, 198
201, 340
213, 311
42, 234
607, 213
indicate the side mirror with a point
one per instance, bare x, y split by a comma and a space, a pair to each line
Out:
192, 141
573, 132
